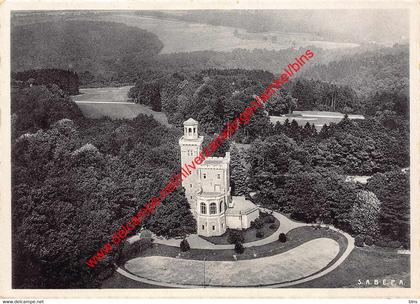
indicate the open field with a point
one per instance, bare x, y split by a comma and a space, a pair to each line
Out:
113, 102
216, 38
367, 263
115, 94
317, 118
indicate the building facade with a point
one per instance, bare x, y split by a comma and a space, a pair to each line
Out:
208, 189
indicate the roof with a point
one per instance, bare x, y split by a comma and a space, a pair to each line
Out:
213, 161
210, 194
190, 122
241, 206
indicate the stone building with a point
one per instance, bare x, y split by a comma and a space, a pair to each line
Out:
208, 189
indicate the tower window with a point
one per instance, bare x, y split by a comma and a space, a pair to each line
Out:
190, 185
202, 227
189, 130
221, 206
213, 208
203, 208
204, 176
218, 176
214, 227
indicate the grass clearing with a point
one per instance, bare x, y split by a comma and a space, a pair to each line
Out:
366, 263
299, 262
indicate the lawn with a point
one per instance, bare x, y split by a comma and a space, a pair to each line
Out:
367, 263
119, 281
120, 111
299, 262
112, 102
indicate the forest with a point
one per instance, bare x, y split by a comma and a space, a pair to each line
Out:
76, 180
102, 50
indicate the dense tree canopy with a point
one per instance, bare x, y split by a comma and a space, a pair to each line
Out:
68, 81
76, 182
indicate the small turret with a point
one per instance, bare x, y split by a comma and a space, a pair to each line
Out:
191, 129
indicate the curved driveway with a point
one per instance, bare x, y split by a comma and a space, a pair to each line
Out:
305, 259
297, 263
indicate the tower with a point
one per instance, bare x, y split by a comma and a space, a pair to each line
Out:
190, 144
208, 189
213, 196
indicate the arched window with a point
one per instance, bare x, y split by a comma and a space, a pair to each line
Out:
221, 206
203, 208
213, 208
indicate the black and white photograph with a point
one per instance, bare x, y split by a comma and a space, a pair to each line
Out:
210, 148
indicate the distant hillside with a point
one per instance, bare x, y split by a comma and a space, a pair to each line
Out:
355, 25
367, 73
102, 48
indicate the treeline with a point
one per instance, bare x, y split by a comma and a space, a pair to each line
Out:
324, 96
37, 107
76, 180
66, 80
213, 97
306, 179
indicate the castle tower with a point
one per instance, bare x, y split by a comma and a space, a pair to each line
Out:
213, 197
190, 145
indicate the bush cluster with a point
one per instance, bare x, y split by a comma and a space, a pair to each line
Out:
260, 233
269, 219
239, 248
235, 236
133, 250
368, 240
282, 238
359, 240
185, 246
258, 223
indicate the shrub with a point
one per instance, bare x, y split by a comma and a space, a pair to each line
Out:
282, 238
359, 240
387, 243
273, 226
260, 233
368, 240
239, 248
235, 236
381, 243
185, 246
258, 223
130, 251
394, 244
269, 219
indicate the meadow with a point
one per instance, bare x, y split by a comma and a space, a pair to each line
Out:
201, 37
113, 102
